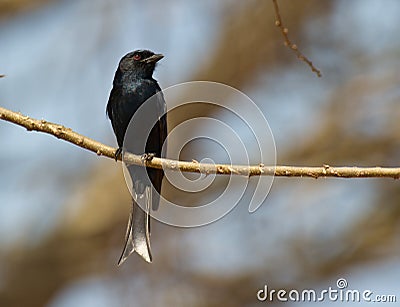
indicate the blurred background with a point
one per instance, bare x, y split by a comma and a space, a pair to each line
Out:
63, 211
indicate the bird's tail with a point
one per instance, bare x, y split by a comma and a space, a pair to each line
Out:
137, 238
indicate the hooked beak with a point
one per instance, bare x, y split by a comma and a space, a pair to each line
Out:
153, 59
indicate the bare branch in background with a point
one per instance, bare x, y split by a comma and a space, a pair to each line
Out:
100, 149
289, 44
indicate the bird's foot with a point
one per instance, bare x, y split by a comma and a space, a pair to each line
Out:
118, 152
147, 157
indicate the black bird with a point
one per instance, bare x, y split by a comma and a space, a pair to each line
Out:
133, 85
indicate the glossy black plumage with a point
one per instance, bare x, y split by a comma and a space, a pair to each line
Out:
133, 85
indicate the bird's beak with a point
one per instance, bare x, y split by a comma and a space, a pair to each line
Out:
153, 59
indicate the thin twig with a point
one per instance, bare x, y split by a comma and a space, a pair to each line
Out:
289, 44
100, 149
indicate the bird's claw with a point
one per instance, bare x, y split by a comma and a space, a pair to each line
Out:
147, 157
118, 152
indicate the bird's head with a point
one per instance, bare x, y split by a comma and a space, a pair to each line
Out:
140, 62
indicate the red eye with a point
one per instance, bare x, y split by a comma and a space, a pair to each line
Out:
137, 57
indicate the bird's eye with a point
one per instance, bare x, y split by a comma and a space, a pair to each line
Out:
137, 57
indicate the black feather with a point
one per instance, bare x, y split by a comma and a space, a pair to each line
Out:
133, 85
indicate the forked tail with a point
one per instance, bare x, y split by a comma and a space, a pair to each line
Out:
137, 238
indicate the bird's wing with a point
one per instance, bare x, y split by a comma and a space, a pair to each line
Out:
119, 119
160, 130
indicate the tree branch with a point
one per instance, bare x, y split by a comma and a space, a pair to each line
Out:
100, 149
288, 43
